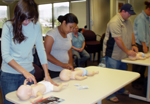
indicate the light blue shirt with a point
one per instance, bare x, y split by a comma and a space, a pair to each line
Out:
21, 53
142, 28
78, 41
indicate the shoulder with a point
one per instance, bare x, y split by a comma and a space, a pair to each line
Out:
7, 24
52, 32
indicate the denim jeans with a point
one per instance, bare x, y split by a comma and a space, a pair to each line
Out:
81, 56
11, 82
115, 64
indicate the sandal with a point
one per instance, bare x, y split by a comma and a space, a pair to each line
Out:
114, 99
126, 92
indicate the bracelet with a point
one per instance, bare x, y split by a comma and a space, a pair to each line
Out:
134, 45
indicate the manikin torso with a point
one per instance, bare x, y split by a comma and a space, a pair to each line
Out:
40, 88
78, 72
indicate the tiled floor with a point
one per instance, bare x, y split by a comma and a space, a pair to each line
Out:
123, 98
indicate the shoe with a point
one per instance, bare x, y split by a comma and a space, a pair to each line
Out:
126, 92
114, 99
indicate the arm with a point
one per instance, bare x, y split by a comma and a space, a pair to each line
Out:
80, 77
39, 97
141, 34
6, 55
134, 48
121, 45
70, 59
48, 46
145, 49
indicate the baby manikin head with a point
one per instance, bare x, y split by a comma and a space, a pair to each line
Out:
24, 92
65, 75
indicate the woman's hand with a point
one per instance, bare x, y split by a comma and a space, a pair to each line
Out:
48, 78
29, 77
67, 66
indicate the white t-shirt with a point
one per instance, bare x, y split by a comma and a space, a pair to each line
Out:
59, 49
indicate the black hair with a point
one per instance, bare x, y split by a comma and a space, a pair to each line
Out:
147, 4
69, 18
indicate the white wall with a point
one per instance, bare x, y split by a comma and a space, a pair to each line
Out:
79, 9
100, 15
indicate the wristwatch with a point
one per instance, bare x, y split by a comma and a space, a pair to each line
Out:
134, 45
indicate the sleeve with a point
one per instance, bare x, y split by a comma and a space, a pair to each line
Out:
115, 29
40, 47
82, 37
141, 30
6, 43
52, 33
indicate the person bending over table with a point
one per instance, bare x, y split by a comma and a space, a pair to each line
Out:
117, 43
19, 35
142, 38
58, 45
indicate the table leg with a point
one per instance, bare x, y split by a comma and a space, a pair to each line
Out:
148, 90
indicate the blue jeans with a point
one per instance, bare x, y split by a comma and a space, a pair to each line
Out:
81, 56
11, 82
115, 64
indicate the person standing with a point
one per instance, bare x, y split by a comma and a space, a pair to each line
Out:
78, 44
142, 38
58, 45
19, 35
119, 42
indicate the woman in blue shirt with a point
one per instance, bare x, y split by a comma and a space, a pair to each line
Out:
19, 35
142, 38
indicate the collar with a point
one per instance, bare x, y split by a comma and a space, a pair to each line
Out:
120, 17
146, 16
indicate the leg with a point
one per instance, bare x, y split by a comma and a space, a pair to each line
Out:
111, 63
9, 83
84, 56
91, 73
78, 56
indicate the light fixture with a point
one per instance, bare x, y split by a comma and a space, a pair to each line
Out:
8, 1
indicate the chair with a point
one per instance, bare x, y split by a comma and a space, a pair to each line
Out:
91, 44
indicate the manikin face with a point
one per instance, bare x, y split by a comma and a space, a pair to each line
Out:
68, 27
27, 21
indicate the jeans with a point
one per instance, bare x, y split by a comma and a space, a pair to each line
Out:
115, 64
11, 82
81, 56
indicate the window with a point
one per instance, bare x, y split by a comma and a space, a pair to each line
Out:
3, 15
60, 9
45, 17
48, 14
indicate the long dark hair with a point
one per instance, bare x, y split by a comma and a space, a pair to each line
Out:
25, 9
147, 4
69, 18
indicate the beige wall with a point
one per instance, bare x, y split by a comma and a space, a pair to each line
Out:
100, 15
138, 6
79, 9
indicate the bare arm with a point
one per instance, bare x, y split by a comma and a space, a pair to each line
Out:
48, 47
134, 48
21, 70
121, 45
47, 76
145, 49
70, 59
39, 97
